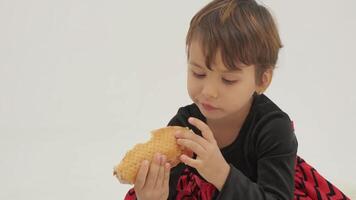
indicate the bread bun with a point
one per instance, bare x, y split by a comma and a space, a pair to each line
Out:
163, 141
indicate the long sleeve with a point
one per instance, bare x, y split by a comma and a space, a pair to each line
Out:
276, 148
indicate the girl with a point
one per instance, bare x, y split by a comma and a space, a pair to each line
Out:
244, 146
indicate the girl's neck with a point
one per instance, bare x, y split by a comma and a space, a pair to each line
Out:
227, 129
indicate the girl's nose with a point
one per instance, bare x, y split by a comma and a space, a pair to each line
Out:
210, 91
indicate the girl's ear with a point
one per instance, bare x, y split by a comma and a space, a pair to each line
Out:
265, 81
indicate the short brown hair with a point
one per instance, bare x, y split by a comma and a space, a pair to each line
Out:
242, 30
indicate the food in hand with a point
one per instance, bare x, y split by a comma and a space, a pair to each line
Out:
162, 141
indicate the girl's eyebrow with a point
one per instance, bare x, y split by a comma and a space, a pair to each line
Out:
236, 70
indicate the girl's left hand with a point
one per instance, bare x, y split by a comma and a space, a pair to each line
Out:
209, 162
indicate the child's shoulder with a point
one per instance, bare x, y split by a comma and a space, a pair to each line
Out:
190, 110
182, 115
264, 110
271, 124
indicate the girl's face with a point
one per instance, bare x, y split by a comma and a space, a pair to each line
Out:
220, 93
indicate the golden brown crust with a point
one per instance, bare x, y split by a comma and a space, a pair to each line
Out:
162, 141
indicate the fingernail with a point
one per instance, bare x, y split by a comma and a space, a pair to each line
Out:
168, 166
177, 134
182, 158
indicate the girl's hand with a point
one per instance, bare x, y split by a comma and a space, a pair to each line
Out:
152, 181
209, 162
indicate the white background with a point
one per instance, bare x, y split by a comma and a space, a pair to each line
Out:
82, 81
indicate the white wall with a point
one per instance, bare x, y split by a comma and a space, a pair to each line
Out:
82, 81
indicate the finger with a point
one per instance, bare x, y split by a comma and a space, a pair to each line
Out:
167, 170
153, 172
192, 136
190, 161
161, 172
142, 174
192, 145
205, 130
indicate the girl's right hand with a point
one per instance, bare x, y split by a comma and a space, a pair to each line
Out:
152, 181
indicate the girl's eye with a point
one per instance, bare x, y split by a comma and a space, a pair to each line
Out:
228, 82
198, 75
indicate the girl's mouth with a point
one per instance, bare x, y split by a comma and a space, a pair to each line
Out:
208, 107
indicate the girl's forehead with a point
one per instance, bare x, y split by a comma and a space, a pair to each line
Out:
198, 60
